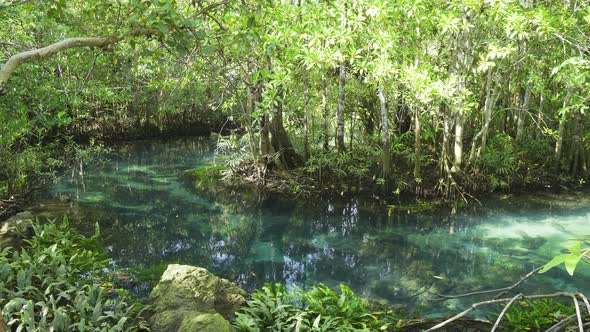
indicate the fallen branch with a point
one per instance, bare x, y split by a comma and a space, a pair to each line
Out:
501, 291
497, 323
497, 301
578, 314
583, 297
562, 323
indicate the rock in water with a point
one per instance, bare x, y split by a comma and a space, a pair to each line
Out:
189, 298
16, 229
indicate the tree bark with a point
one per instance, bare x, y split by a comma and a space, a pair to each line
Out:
561, 129
326, 115
340, 110
576, 148
385, 126
417, 144
305, 115
491, 97
280, 141
523, 110
341, 90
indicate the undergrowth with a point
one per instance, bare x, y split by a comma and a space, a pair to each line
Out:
274, 308
55, 284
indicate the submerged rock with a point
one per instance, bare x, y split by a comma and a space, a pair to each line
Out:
189, 298
16, 229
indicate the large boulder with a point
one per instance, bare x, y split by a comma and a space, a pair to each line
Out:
189, 298
16, 229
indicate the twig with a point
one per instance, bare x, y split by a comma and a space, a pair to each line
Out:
504, 311
583, 297
479, 304
559, 325
578, 314
501, 291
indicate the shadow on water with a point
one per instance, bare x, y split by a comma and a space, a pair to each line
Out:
150, 217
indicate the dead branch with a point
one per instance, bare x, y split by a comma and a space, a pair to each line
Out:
561, 324
497, 323
583, 297
578, 314
501, 291
497, 301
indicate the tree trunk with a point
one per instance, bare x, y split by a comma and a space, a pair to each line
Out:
417, 144
341, 90
462, 64
385, 126
326, 115
340, 110
305, 115
576, 147
491, 97
561, 130
522, 112
264, 145
280, 141
540, 119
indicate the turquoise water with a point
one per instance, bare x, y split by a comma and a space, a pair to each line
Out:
149, 216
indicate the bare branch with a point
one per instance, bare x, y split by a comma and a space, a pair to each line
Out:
583, 297
17, 60
479, 304
504, 311
500, 291
578, 314
561, 324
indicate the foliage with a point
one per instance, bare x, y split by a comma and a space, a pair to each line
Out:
206, 177
54, 284
499, 161
318, 309
536, 315
575, 253
452, 75
356, 167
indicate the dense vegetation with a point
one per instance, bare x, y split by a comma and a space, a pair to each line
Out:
434, 98
56, 283
318, 309
417, 96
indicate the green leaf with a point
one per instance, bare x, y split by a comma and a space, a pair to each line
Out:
553, 263
571, 261
162, 27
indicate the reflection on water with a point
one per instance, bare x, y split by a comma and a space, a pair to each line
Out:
150, 216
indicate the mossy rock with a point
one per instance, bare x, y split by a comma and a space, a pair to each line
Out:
16, 229
189, 298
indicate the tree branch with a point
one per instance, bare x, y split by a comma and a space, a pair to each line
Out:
500, 291
513, 299
17, 60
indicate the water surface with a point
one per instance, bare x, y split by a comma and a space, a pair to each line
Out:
150, 216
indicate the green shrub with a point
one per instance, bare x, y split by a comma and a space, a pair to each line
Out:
499, 161
54, 284
320, 309
354, 166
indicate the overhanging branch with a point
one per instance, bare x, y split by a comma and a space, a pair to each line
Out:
17, 60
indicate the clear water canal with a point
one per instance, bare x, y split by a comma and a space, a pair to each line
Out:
150, 215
